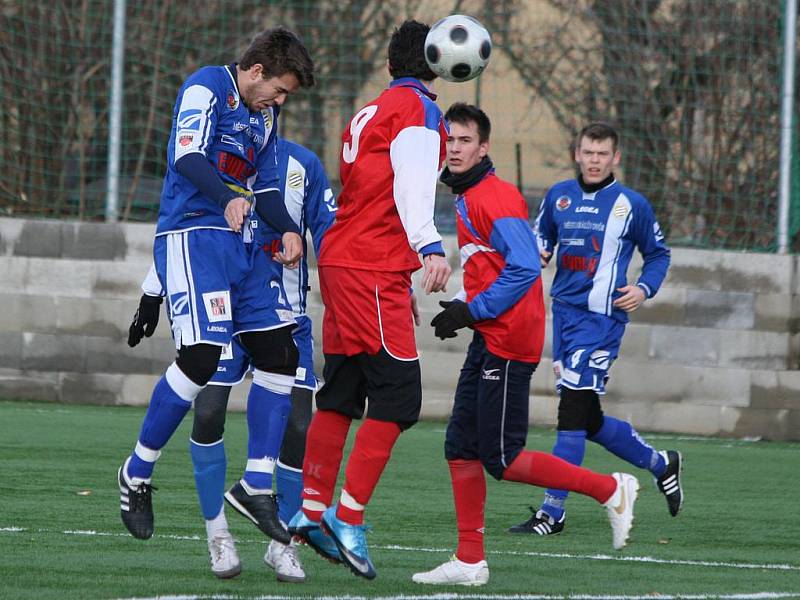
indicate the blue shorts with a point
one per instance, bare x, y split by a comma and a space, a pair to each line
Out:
489, 421
235, 361
585, 345
215, 288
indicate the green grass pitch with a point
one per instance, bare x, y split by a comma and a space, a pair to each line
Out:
61, 536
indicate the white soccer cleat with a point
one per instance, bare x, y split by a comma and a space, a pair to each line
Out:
286, 562
224, 558
620, 508
455, 572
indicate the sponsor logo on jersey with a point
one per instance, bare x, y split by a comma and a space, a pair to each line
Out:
563, 203
227, 353
233, 100
584, 225
295, 179
586, 264
186, 139
587, 209
217, 329
217, 306
572, 242
595, 243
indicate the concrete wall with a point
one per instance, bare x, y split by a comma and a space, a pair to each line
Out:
715, 353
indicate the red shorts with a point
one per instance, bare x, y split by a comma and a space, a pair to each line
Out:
366, 311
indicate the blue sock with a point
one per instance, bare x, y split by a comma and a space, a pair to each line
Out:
289, 482
267, 416
165, 413
570, 446
621, 439
209, 475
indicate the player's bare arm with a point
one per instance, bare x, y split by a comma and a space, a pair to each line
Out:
235, 213
631, 299
292, 250
415, 310
436, 273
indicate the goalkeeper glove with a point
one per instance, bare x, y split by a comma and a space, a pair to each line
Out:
145, 320
454, 316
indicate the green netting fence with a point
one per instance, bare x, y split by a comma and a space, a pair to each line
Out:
693, 86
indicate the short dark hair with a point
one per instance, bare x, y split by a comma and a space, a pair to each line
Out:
407, 52
464, 113
280, 52
598, 130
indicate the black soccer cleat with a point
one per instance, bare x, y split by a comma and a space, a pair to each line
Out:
261, 509
136, 507
540, 523
669, 483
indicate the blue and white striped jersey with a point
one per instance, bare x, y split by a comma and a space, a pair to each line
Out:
596, 233
311, 205
210, 118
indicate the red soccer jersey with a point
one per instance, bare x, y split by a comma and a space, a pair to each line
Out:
502, 276
392, 152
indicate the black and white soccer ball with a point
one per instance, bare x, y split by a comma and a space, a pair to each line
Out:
457, 48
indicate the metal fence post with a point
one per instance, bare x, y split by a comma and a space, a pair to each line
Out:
115, 111
787, 102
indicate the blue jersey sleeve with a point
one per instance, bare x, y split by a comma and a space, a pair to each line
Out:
320, 205
544, 227
650, 241
513, 238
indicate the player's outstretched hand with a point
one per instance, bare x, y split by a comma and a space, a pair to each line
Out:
631, 299
455, 316
235, 212
145, 320
436, 271
292, 250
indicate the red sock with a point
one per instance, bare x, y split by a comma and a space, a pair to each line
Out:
548, 471
371, 451
469, 495
325, 440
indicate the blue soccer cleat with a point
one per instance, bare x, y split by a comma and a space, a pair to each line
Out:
311, 533
352, 543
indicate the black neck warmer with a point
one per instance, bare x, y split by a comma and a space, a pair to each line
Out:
463, 181
593, 187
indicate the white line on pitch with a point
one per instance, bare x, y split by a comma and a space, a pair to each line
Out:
454, 596
601, 557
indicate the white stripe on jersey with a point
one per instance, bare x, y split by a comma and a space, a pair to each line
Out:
294, 194
467, 250
617, 224
193, 126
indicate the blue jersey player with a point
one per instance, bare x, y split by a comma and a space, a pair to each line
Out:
596, 223
222, 166
311, 205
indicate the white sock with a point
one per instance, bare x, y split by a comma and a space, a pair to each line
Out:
217, 524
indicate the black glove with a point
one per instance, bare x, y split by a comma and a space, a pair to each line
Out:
145, 320
454, 316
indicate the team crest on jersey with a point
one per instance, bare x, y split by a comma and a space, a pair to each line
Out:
563, 203
218, 306
295, 180
233, 100
620, 210
267, 113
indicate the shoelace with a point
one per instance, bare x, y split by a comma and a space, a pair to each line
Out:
291, 552
141, 498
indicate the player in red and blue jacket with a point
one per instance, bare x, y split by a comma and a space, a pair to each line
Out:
503, 304
596, 223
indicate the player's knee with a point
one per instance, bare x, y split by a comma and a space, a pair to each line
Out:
574, 409
199, 362
272, 351
210, 408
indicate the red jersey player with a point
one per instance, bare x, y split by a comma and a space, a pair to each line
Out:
504, 305
391, 155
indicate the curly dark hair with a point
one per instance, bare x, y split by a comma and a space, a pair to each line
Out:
280, 51
407, 52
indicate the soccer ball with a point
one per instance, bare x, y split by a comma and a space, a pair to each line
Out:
457, 48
